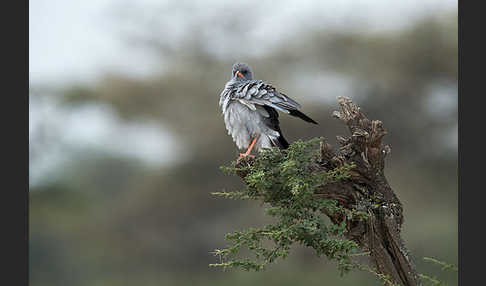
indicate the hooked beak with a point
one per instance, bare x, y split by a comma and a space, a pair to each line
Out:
239, 74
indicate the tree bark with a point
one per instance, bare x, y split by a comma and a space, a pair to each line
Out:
367, 190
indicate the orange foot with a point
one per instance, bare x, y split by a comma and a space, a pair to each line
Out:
247, 154
243, 155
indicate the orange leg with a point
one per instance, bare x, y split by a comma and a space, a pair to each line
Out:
249, 148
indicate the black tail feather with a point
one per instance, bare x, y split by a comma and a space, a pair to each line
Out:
296, 113
280, 142
283, 144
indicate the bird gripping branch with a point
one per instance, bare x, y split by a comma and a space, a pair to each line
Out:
250, 109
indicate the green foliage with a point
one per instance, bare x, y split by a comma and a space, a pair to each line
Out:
284, 181
425, 278
445, 266
433, 280
382, 277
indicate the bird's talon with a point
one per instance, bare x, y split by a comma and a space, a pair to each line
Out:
243, 155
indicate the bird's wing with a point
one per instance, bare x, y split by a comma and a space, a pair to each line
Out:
258, 92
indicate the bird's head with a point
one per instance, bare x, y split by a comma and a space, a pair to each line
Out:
241, 71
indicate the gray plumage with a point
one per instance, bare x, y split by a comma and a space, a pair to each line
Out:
249, 109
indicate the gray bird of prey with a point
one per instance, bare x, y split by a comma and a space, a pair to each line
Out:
250, 111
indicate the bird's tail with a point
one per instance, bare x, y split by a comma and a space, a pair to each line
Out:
280, 142
296, 113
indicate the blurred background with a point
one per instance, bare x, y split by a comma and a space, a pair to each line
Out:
126, 136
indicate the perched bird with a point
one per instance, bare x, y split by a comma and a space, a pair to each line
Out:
250, 111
